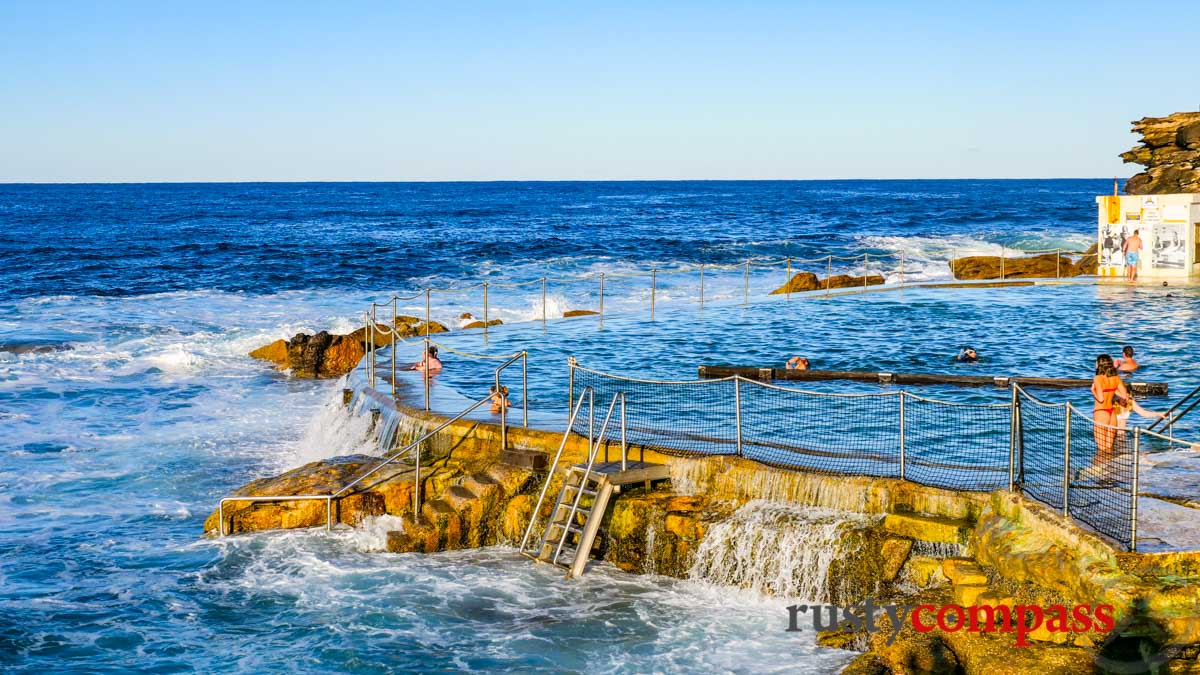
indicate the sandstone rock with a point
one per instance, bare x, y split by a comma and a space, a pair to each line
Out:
1045, 266
799, 283
847, 281
963, 571
578, 312
481, 324
325, 355
927, 528
276, 352
1170, 151
316, 478
924, 572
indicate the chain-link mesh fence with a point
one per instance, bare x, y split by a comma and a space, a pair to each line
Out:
1050, 452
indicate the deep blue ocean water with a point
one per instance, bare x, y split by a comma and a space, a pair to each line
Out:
128, 405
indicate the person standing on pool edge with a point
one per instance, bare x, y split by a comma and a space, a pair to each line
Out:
1131, 247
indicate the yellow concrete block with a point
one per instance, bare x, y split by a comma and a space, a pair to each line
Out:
926, 528
967, 595
963, 571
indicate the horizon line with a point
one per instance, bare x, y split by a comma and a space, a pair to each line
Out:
544, 180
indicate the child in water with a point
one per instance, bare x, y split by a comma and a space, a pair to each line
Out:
499, 399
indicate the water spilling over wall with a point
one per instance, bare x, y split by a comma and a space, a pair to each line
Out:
778, 548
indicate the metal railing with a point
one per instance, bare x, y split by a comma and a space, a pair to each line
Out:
1050, 452
413, 447
850, 264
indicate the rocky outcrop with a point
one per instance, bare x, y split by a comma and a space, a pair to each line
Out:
482, 324
328, 355
578, 312
807, 281
1170, 151
1045, 266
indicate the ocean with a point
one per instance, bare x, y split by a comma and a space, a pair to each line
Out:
128, 405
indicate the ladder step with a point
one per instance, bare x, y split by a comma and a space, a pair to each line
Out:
590, 493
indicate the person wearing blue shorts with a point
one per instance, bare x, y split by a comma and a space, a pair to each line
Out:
1132, 247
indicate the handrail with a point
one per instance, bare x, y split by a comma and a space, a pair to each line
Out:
523, 356
586, 391
593, 448
1167, 415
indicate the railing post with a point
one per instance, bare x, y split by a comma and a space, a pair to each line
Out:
329, 514
543, 303
901, 268
866, 268
427, 319
653, 290
624, 443
570, 383
417, 483
1002, 262
525, 387
1067, 461
1012, 438
371, 332
1057, 263
702, 286
485, 309
737, 412
902, 474
828, 274
1137, 448
503, 413
425, 372
787, 284
746, 289
395, 316
602, 299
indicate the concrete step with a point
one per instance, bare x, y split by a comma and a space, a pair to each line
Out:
928, 528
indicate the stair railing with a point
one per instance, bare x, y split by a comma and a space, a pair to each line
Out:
1170, 419
586, 394
593, 449
329, 498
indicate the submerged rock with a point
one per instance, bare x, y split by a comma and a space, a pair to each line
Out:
327, 355
1170, 151
481, 324
578, 312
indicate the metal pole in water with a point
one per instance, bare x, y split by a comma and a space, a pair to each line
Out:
372, 333
701, 286
653, 290
485, 310
902, 395
543, 303
737, 410
901, 268
427, 312
425, 372
1001, 262
866, 268
525, 386
394, 318
1067, 462
787, 285
602, 299
828, 274
1057, 263
1137, 446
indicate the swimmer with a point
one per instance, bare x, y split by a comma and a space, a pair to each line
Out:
967, 355
1107, 388
797, 363
429, 363
1127, 406
499, 399
1126, 364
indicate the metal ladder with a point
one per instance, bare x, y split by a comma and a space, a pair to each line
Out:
566, 542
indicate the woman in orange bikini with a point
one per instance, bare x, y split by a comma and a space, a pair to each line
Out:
1106, 386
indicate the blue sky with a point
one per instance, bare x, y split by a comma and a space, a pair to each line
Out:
172, 91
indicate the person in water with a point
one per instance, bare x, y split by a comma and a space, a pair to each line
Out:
499, 399
1126, 364
967, 355
1132, 248
797, 363
1107, 390
1126, 407
429, 363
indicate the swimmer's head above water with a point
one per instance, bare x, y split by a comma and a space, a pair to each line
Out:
968, 355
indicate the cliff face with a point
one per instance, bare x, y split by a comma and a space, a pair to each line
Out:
1170, 151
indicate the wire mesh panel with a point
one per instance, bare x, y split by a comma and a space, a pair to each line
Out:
1100, 480
956, 445
688, 418
1041, 449
845, 434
